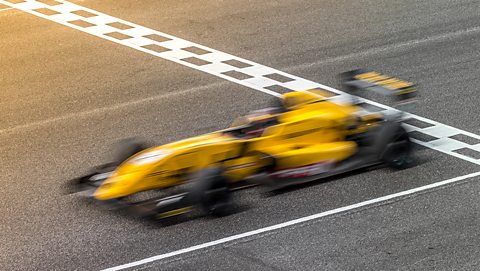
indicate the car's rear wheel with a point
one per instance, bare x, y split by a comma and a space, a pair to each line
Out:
398, 153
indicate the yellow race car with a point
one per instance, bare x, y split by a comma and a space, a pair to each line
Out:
306, 137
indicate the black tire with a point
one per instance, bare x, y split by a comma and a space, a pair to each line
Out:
125, 148
120, 152
277, 103
398, 153
212, 191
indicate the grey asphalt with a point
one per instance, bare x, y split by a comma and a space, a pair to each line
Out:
428, 231
66, 96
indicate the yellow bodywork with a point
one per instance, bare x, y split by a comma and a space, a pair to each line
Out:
312, 130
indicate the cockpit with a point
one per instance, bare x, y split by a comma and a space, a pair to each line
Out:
254, 124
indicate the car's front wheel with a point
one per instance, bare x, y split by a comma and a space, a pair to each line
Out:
212, 190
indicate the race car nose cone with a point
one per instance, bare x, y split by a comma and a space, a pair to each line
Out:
112, 188
104, 195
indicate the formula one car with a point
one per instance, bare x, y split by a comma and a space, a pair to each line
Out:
307, 137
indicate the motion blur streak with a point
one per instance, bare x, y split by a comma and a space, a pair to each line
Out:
294, 222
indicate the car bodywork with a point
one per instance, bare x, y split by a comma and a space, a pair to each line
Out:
308, 137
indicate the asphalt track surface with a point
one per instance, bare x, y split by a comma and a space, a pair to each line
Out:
66, 96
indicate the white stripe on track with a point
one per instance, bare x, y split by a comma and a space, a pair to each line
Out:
292, 222
441, 137
391, 47
102, 110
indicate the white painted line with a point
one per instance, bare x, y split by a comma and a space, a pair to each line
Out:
213, 61
292, 222
103, 110
3, 9
391, 47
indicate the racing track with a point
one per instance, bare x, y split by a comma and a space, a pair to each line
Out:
65, 95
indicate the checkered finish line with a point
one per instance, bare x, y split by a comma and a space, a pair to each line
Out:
428, 133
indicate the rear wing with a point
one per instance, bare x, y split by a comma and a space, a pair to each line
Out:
403, 92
